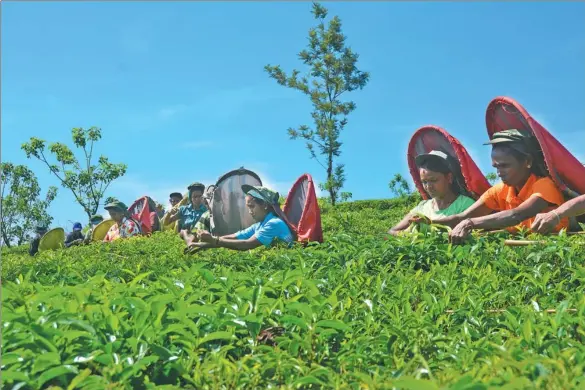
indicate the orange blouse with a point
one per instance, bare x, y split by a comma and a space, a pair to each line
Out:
503, 197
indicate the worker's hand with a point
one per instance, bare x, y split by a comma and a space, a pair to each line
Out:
418, 218
205, 236
201, 245
544, 223
461, 231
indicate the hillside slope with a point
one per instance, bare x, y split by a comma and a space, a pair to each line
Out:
355, 312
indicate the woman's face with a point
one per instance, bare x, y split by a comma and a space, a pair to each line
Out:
436, 184
116, 215
196, 198
257, 211
512, 171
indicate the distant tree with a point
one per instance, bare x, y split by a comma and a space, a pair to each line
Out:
332, 72
399, 186
21, 206
492, 178
87, 182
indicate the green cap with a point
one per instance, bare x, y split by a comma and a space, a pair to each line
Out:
436, 155
116, 205
510, 135
176, 195
41, 228
262, 193
196, 186
96, 217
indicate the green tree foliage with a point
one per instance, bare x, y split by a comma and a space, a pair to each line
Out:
399, 186
22, 208
491, 178
332, 72
87, 182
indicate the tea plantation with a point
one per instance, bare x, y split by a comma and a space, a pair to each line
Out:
357, 312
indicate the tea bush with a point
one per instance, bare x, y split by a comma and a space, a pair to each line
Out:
355, 312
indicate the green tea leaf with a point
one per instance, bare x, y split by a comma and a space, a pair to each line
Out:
334, 324
55, 372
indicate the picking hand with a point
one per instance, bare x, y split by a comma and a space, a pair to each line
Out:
205, 236
461, 231
420, 219
544, 223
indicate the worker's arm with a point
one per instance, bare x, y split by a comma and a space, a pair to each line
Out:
171, 216
501, 219
402, 225
478, 209
229, 241
546, 222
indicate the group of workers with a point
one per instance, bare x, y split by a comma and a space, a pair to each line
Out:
526, 198
194, 222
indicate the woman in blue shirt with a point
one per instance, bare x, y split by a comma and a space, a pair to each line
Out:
270, 226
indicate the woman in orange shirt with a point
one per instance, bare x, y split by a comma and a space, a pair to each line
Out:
525, 190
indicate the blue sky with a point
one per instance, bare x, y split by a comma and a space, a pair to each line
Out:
185, 81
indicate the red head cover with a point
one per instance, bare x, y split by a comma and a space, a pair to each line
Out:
432, 137
140, 211
302, 210
567, 172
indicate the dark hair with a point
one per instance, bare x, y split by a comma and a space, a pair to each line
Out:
518, 155
262, 203
196, 187
441, 166
435, 165
538, 165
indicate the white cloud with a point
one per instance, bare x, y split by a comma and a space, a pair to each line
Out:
282, 186
131, 187
170, 111
196, 144
217, 106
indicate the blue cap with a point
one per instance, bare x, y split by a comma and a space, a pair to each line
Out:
77, 226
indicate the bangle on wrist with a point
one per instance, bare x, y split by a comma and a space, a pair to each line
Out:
217, 241
471, 223
557, 215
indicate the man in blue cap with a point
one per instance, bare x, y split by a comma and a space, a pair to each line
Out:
75, 237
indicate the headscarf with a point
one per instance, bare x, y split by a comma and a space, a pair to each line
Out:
271, 198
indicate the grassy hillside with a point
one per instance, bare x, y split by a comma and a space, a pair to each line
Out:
355, 312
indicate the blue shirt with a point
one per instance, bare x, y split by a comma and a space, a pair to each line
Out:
188, 216
266, 231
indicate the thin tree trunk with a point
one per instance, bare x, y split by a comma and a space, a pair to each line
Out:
4, 238
332, 194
